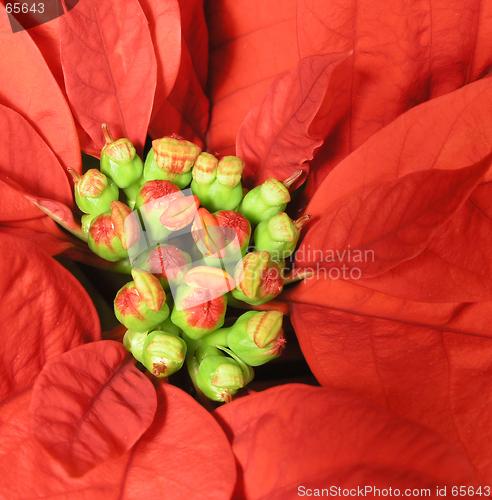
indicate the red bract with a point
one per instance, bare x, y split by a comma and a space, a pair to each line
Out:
383, 226
80, 395
111, 71
29, 88
423, 358
295, 438
275, 134
251, 43
184, 454
44, 312
185, 112
403, 54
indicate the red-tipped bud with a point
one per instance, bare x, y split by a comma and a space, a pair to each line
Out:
240, 226
140, 305
109, 236
168, 263
198, 311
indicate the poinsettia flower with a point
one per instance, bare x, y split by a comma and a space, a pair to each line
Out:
385, 111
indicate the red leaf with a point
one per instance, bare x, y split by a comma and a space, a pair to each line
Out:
455, 266
186, 110
29, 88
296, 436
251, 43
91, 404
27, 160
46, 36
110, 68
389, 223
431, 374
404, 54
44, 312
184, 454
49, 243
165, 30
274, 139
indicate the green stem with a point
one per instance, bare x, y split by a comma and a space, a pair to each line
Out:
132, 191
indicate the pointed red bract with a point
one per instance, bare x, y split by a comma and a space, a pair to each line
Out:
295, 438
44, 312
274, 139
404, 54
454, 266
109, 68
26, 159
46, 36
165, 30
431, 374
29, 88
449, 133
91, 404
385, 225
184, 454
251, 43
186, 110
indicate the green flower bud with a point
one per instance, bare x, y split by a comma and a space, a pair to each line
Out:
141, 304
119, 161
198, 311
108, 235
257, 337
279, 235
134, 342
218, 183
258, 279
163, 353
220, 377
94, 192
171, 158
265, 201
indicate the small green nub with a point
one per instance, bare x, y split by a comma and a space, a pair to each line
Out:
257, 337
120, 162
264, 201
163, 353
219, 378
94, 192
278, 235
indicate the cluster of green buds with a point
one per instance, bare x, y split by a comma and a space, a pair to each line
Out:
191, 253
